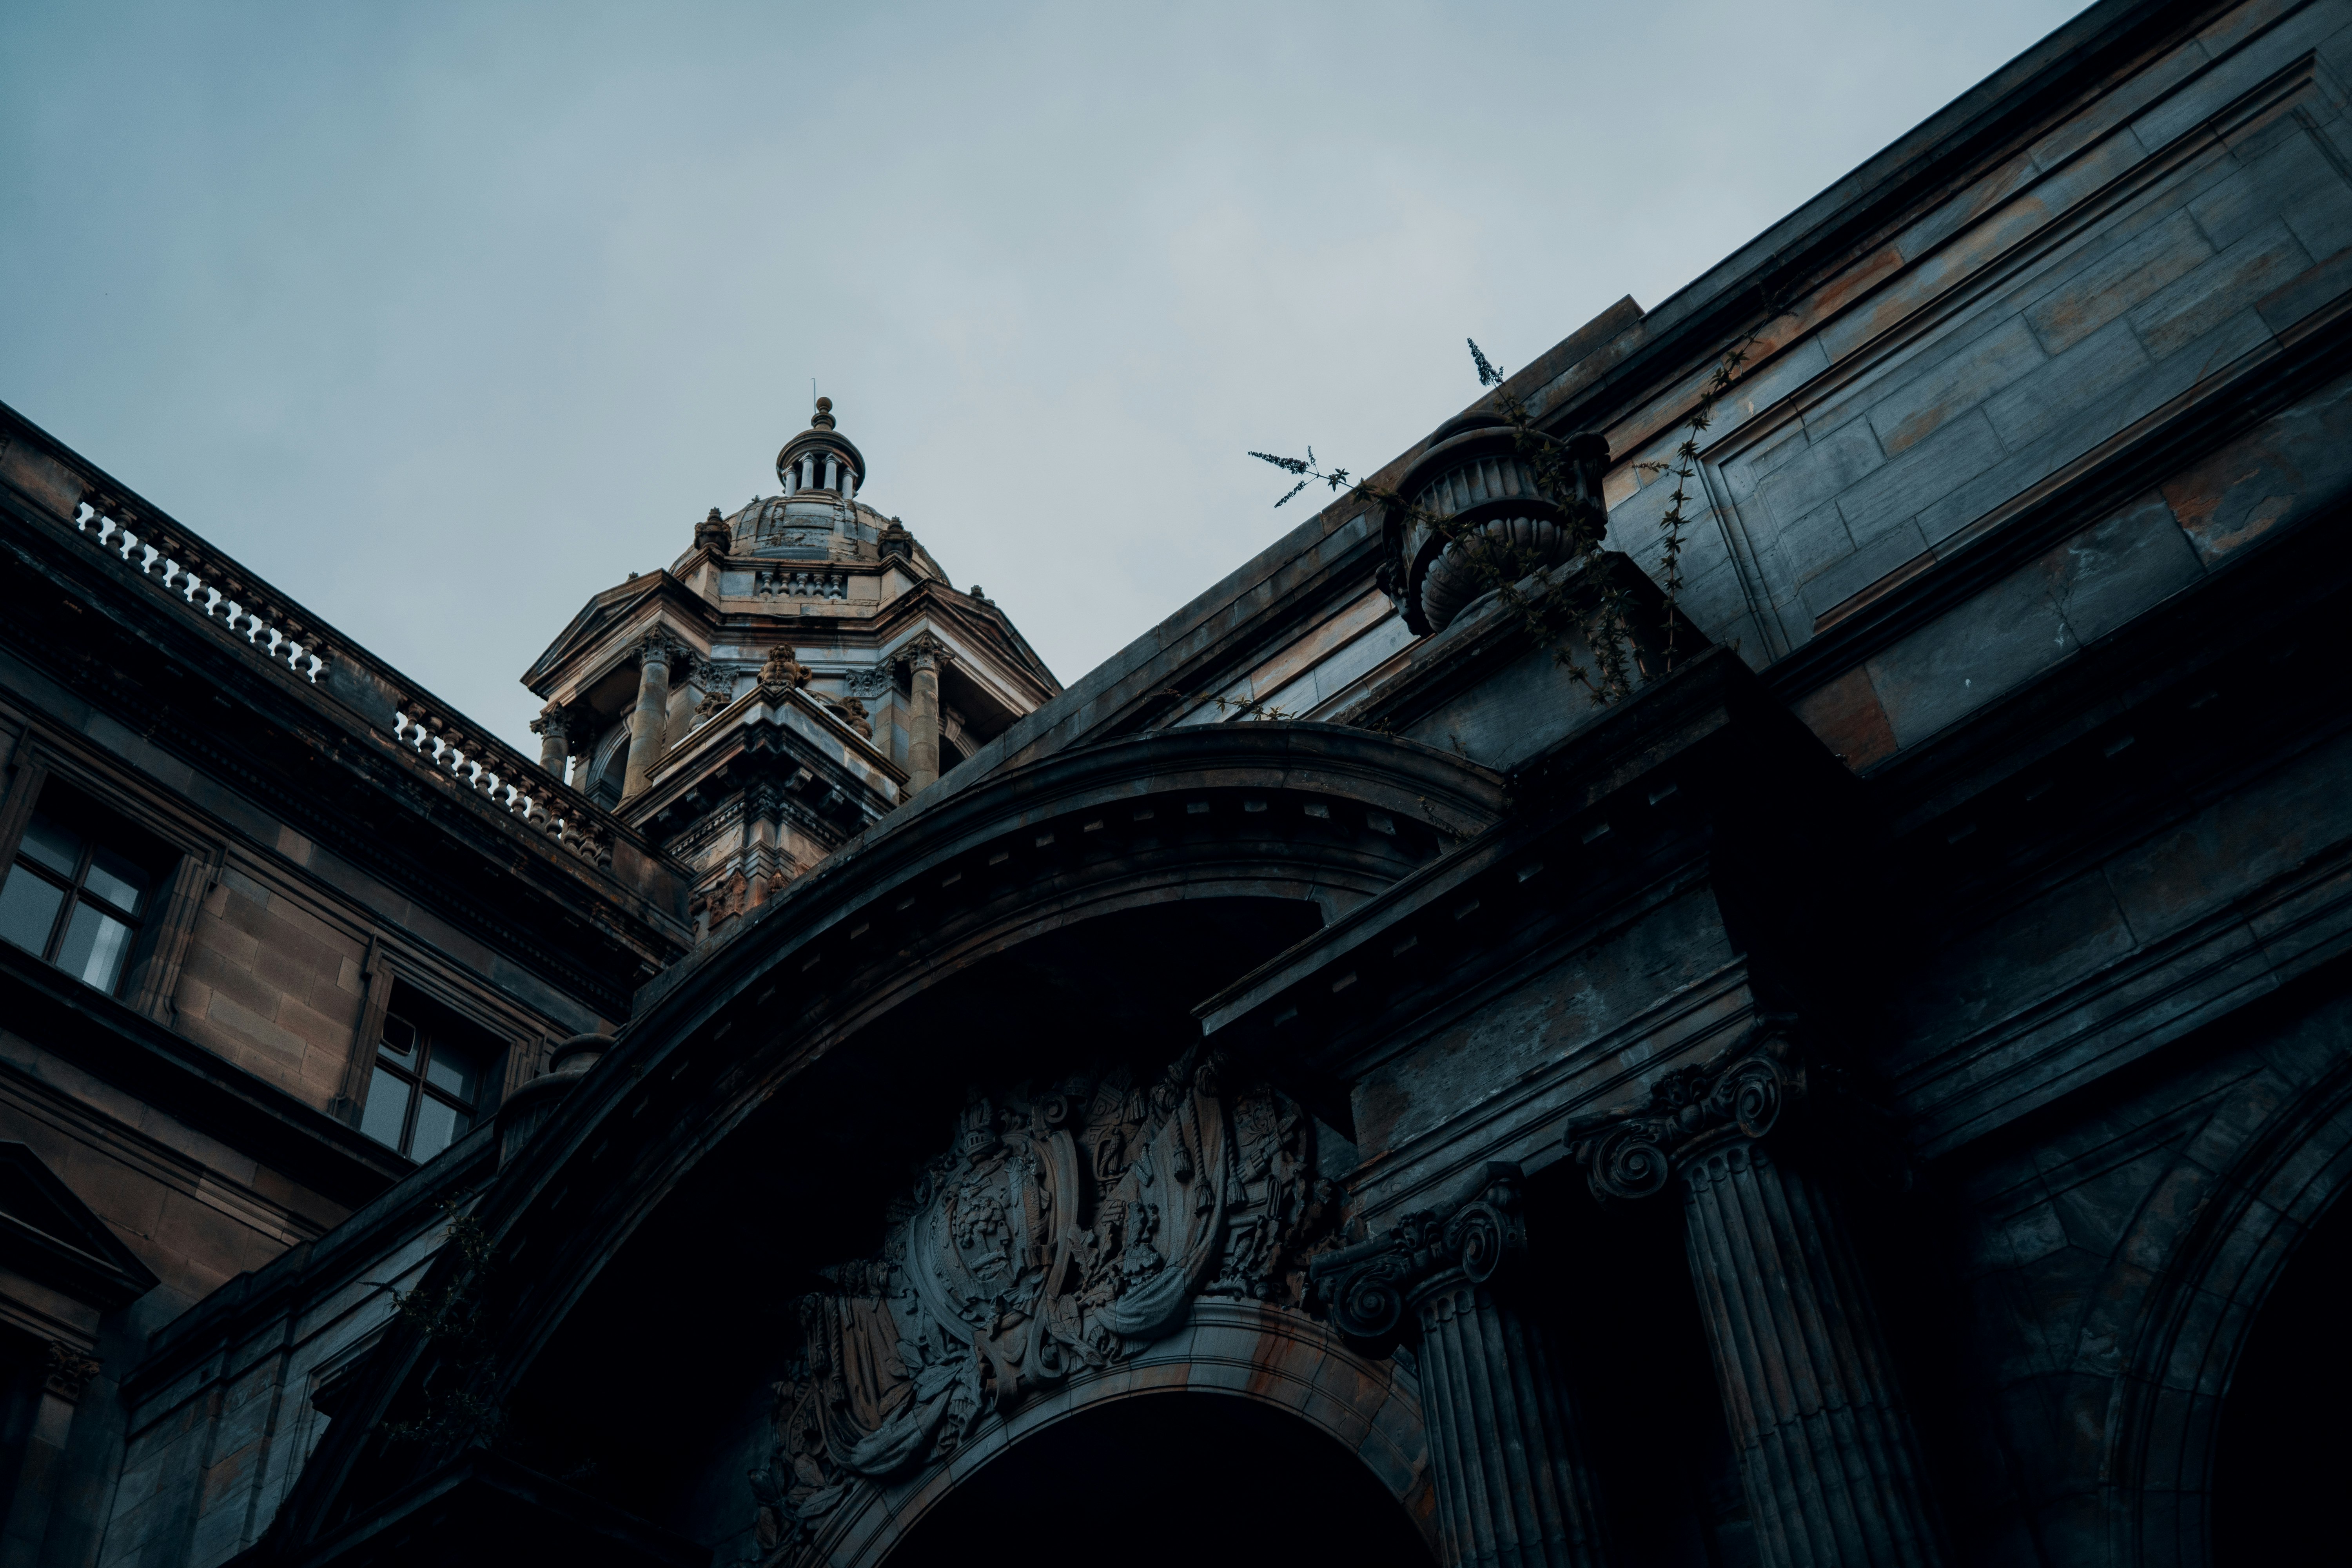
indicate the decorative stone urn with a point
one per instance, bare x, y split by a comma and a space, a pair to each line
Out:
1474, 510
533, 1101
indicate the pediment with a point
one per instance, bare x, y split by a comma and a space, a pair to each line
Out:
49, 1233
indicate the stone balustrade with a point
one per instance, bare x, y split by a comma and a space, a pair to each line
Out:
182, 568
208, 582
501, 776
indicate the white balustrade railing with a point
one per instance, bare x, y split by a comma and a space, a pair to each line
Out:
503, 777
208, 584
182, 568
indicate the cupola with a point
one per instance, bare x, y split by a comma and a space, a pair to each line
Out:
821, 458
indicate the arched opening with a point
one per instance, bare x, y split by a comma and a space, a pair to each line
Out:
807, 1183
2283, 1448
1174, 1479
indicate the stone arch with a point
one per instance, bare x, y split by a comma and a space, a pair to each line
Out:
2273, 1159
1230, 1349
1309, 814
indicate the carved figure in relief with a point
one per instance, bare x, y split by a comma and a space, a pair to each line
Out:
1060, 1230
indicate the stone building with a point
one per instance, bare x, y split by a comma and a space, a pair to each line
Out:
1871, 1090
783, 686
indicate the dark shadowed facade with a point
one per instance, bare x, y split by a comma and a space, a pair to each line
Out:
1876, 1093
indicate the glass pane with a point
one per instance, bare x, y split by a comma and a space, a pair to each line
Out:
116, 881
457, 1071
52, 842
96, 944
399, 1035
438, 1126
28, 909
387, 1108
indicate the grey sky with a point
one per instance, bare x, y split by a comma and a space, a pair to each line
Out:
448, 317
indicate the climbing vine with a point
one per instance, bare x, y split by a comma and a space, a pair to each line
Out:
449, 1317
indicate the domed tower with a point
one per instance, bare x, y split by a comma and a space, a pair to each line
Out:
801, 671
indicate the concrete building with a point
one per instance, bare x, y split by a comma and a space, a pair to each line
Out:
1870, 1086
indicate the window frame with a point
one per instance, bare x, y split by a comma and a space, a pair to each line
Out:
151, 972
74, 891
497, 1056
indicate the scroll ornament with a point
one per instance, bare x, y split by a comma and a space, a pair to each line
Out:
1062, 1230
1739, 1094
1368, 1286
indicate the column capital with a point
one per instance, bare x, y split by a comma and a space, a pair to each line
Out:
659, 646
1367, 1288
1736, 1096
924, 651
69, 1371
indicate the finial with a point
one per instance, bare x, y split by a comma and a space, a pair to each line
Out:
713, 533
782, 671
823, 420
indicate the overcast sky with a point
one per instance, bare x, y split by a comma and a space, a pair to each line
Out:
445, 317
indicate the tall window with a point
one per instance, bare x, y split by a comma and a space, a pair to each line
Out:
426, 1087
75, 898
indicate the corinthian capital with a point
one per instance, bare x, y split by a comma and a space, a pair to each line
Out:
1736, 1096
660, 648
923, 651
1367, 1288
69, 1371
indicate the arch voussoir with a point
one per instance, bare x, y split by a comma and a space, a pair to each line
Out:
1233, 1350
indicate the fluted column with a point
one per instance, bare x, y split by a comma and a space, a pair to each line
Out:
652, 711
922, 657
1512, 1487
1828, 1457
1832, 1466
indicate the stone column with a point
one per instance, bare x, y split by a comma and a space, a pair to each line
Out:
1827, 1455
555, 732
40, 1469
653, 660
922, 657
1513, 1488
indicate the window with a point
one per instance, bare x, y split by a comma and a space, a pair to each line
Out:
74, 896
427, 1086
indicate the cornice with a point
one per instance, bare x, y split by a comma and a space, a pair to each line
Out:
185, 685
101, 1035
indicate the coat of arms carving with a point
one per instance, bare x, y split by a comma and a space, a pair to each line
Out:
1061, 1229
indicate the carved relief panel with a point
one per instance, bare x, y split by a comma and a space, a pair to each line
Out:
1061, 1231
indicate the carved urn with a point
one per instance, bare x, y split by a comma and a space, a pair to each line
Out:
1476, 516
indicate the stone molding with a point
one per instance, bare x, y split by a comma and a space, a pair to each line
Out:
1740, 1095
1227, 1349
